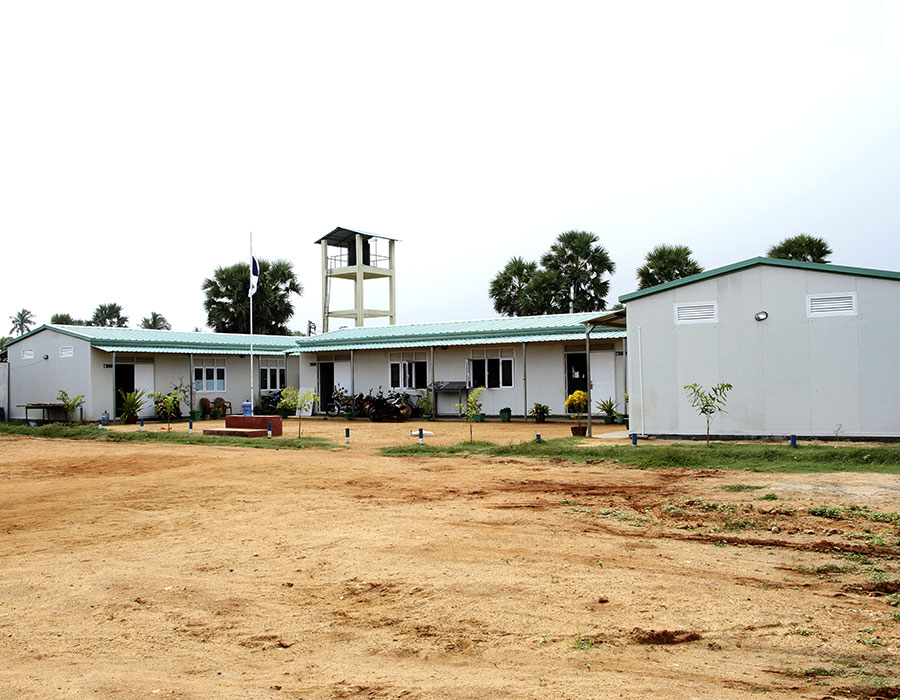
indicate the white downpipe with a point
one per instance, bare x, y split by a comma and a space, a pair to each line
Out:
641, 376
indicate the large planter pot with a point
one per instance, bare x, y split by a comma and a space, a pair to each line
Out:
348, 415
478, 418
620, 419
579, 430
505, 416
130, 420
427, 416
608, 419
540, 419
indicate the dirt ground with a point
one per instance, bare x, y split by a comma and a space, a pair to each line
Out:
141, 571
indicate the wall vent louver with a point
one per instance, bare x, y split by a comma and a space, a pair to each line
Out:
831, 304
697, 312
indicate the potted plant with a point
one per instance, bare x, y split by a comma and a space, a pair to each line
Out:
132, 403
539, 412
69, 405
608, 406
427, 405
505, 414
578, 401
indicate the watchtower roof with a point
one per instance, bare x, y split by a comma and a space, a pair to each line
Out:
342, 237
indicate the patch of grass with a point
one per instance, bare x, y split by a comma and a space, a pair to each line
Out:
832, 512
738, 525
583, 643
768, 497
741, 487
91, 432
763, 457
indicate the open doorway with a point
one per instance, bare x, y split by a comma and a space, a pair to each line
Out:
576, 373
326, 383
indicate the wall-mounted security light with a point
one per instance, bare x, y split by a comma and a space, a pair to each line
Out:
761, 315
46, 357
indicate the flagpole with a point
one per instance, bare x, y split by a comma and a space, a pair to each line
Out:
251, 324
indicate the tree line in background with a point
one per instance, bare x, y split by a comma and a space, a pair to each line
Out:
570, 276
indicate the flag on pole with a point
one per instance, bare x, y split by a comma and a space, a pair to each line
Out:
254, 274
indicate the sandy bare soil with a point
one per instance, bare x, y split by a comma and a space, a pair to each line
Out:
141, 571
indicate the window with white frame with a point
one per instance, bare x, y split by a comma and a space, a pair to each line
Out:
409, 370
491, 368
209, 374
272, 375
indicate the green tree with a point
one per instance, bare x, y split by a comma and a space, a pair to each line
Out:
109, 315
579, 259
66, 320
666, 263
227, 302
22, 321
708, 403
508, 287
546, 293
156, 322
802, 247
3, 341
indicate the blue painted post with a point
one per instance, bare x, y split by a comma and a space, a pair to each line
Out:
537, 438
191, 427
793, 440
142, 425
347, 435
269, 428
634, 439
421, 437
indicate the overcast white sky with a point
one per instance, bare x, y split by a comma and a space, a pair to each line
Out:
140, 143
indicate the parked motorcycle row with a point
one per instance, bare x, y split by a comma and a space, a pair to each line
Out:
394, 406
378, 407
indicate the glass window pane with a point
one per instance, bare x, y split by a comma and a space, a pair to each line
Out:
263, 379
282, 378
506, 373
420, 375
210, 379
478, 373
493, 373
395, 374
220, 379
198, 379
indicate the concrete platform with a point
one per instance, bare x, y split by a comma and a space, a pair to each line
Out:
239, 432
256, 422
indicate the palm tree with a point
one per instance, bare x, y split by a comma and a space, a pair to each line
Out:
156, 322
227, 301
3, 342
666, 263
802, 247
577, 257
109, 315
508, 287
65, 320
546, 293
22, 322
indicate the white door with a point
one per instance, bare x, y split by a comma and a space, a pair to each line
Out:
143, 379
603, 377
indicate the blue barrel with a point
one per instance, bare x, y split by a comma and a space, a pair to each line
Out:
248, 408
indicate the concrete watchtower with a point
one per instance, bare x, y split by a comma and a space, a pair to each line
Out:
357, 256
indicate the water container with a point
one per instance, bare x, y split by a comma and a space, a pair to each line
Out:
105, 418
248, 408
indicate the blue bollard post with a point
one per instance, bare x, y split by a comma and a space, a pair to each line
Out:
191, 427
269, 428
793, 440
347, 435
634, 439
142, 425
421, 437
537, 438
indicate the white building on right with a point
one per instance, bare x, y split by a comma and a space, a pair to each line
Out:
811, 349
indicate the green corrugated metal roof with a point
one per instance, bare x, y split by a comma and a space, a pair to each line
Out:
519, 329
142, 340
753, 262
187, 350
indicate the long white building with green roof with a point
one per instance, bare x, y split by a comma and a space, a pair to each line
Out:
520, 361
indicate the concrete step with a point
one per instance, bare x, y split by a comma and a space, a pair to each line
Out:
238, 432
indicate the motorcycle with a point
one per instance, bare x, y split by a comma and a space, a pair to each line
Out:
388, 408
